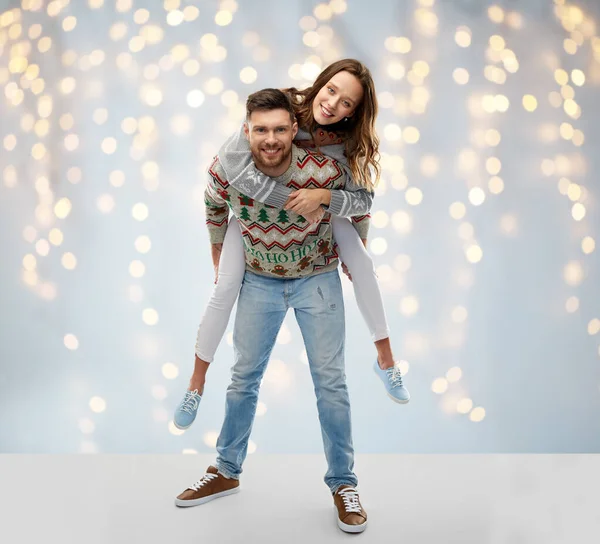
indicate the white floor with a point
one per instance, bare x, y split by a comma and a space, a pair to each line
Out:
113, 499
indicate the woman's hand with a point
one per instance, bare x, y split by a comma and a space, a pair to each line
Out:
305, 201
314, 217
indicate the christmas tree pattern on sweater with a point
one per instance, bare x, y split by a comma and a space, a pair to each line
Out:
278, 242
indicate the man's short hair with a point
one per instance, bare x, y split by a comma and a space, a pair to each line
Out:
268, 100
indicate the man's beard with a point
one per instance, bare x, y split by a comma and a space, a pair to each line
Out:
263, 161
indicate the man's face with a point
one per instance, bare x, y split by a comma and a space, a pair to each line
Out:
270, 134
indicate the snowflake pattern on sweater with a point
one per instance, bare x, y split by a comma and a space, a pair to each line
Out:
278, 243
352, 201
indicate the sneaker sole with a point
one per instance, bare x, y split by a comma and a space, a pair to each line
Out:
182, 428
348, 528
195, 502
398, 401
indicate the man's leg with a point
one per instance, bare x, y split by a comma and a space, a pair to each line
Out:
319, 308
261, 309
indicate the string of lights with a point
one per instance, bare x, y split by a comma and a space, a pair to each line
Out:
110, 114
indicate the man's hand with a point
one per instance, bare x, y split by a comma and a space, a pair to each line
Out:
314, 217
215, 253
304, 201
346, 271
345, 268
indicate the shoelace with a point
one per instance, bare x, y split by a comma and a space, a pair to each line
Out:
394, 376
202, 481
350, 496
190, 402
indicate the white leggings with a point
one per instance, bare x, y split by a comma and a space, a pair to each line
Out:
231, 273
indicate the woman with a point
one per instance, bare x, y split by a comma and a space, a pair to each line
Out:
337, 117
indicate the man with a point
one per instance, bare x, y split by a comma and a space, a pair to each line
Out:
289, 264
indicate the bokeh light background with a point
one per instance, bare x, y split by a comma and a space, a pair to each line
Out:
484, 226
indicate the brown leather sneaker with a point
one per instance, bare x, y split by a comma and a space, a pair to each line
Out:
211, 486
351, 516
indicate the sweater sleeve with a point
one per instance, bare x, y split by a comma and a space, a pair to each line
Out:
361, 223
363, 199
236, 160
216, 211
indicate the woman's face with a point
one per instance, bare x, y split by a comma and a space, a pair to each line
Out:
339, 98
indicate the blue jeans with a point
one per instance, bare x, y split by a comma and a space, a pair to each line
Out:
319, 308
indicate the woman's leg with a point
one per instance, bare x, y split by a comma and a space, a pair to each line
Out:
216, 316
366, 288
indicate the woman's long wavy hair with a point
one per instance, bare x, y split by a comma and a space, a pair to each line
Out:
358, 132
